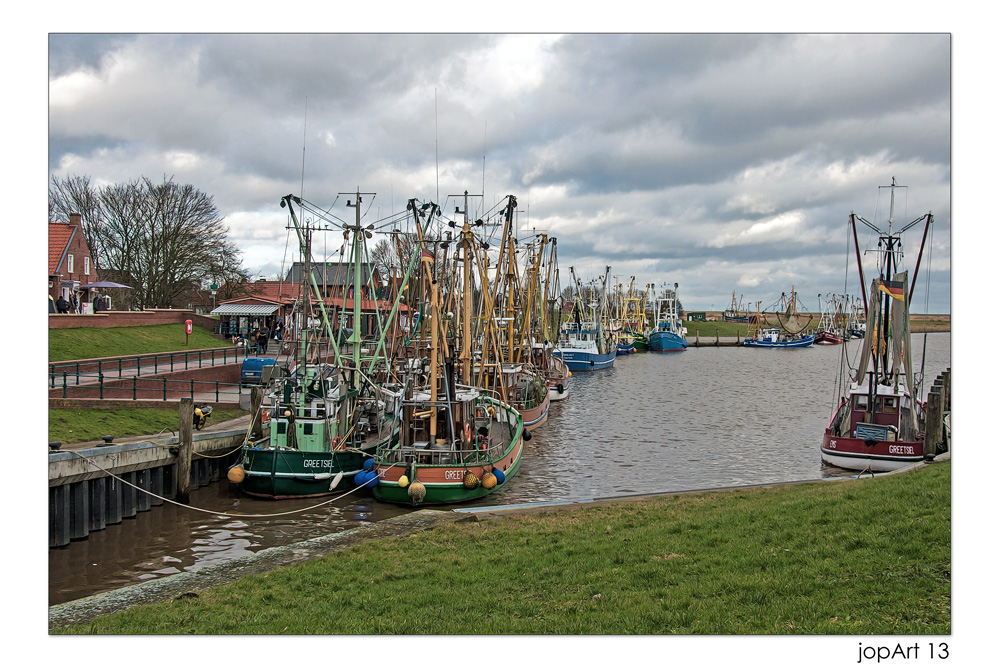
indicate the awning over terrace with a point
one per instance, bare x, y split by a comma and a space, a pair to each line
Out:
241, 309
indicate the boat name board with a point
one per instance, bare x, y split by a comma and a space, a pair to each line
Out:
317, 463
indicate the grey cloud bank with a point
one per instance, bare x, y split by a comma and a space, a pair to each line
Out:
721, 162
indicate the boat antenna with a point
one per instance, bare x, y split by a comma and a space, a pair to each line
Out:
437, 172
484, 163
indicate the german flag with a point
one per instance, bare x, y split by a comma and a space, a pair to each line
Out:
427, 256
895, 289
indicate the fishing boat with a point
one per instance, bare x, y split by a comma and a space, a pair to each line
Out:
668, 335
878, 424
505, 363
557, 373
832, 329
322, 416
736, 312
775, 337
584, 344
544, 292
856, 323
629, 327
458, 441
791, 333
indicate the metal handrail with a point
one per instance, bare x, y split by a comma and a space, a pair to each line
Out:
68, 371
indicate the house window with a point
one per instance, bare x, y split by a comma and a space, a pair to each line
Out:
69, 263
86, 266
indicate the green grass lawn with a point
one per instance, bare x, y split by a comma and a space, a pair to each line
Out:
870, 556
69, 425
90, 343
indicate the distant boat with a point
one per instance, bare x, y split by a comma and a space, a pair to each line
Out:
879, 423
736, 312
668, 335
586, 345
774, 337
832, 329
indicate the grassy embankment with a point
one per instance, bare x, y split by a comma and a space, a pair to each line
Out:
869, 556
71, 425
88, 343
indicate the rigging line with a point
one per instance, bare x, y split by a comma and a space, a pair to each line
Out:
305, 116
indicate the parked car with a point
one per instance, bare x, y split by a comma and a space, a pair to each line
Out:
252, 369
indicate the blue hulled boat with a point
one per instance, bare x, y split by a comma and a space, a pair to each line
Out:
776, 338
669, 335
586, 345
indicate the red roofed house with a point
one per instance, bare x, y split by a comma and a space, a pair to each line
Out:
70, 263
272, 302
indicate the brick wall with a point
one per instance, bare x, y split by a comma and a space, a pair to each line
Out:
127, 318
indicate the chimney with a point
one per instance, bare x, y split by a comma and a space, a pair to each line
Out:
74, 219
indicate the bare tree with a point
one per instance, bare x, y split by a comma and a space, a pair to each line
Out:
74, 194
162, 239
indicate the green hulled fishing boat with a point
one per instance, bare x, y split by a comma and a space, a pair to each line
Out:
322, 415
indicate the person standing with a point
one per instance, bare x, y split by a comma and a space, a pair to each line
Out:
62, 305
262, 336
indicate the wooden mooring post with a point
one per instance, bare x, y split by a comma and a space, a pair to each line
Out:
184, 452
256, 398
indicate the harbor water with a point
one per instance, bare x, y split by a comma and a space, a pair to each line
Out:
656, 422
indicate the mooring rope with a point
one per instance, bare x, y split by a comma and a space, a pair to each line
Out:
216, 512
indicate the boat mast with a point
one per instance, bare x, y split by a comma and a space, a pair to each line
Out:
354, 341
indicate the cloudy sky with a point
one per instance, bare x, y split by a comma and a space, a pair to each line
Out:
723, 162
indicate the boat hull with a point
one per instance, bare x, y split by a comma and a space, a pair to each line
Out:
578, 360
444, 482
558, 380
538, 415
281, 474
665, 341
802, 342
874, 455
828, 338
625, 348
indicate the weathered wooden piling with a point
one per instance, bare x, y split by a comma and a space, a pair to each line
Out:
256, 399
184, 452
88, 489
934, 427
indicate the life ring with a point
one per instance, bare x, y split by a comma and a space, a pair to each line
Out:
468, 433
265, 416
336, 442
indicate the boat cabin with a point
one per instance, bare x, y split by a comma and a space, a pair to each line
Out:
884, 415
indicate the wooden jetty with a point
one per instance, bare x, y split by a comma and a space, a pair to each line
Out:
714, 341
